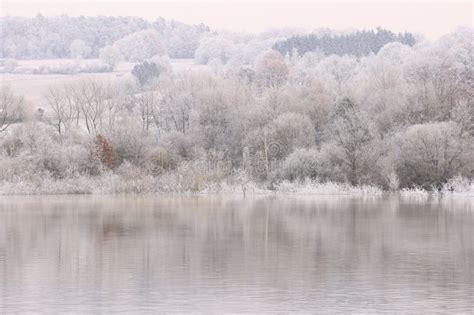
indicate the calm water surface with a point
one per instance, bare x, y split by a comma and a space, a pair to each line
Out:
216, 254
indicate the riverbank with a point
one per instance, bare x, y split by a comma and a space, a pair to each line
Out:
112, 183
116, 184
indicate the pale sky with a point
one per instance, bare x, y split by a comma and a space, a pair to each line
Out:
431, 18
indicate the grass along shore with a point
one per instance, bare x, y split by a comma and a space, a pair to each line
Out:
127, 182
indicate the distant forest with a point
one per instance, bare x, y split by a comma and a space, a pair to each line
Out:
71, 37
360, 43
57, 37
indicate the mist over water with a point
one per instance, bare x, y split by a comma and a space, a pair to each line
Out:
214, 253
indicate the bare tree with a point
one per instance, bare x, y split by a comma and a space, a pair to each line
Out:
148, 108
64, 108
178, 98
271, 69
11, 107
353, 136
90, 96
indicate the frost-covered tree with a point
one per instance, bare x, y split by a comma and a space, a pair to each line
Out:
269, 144
213, 48
440, 77
92, 98
271, 69
11, 107
79, 49
379, 82
430, 154
184, 41
304, 67
147, 71
351, 131
43, 37
141, 45
337, 72
222, 107
357, 43
177, 102
110, 55
148, 107
289, 131
64, 108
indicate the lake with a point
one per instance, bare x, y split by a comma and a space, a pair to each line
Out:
218, 254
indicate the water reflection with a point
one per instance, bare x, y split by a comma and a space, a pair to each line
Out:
133, 254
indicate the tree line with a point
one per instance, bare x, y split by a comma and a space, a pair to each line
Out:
62, 36
403, 117
359, 43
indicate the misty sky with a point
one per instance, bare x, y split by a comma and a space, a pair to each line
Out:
431, 18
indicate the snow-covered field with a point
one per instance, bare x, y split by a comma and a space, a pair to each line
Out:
34, 86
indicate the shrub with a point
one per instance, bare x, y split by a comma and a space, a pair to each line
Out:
302, 163
430, 154
146, 72
105, 152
